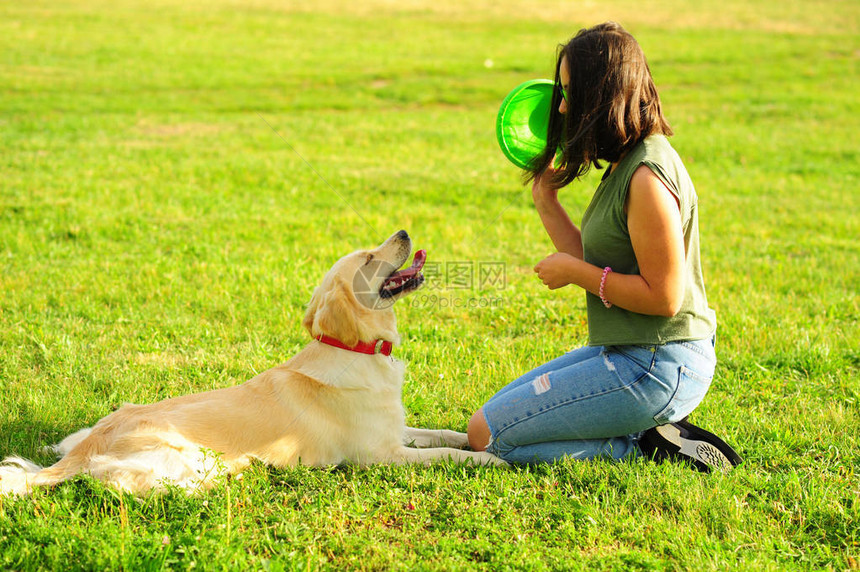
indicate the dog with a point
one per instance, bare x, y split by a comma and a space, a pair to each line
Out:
337, 401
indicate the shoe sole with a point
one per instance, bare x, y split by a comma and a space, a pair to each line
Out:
705, 450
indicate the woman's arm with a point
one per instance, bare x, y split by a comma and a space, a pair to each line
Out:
564, 234
654, 222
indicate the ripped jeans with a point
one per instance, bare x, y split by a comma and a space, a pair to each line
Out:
597, 401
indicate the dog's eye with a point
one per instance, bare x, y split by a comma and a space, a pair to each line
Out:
369, 258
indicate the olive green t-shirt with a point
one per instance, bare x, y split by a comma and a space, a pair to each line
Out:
606, 242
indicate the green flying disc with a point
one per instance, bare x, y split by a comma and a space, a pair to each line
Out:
521, 125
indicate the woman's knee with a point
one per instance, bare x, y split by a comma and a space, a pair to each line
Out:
478, 431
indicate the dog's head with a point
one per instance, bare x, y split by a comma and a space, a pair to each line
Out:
354, 302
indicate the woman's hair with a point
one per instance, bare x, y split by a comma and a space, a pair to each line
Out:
612, 103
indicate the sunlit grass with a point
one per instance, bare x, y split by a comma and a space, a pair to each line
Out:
176, 177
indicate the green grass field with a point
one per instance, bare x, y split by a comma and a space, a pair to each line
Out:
175, 177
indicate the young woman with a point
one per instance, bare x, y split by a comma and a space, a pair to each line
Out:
650, 358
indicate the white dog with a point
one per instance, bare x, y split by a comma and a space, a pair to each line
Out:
336, 401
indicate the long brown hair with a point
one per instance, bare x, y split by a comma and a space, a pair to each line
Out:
612, 103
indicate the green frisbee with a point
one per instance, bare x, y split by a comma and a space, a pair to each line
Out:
521, 125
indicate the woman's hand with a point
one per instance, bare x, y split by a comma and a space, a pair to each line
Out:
556, 270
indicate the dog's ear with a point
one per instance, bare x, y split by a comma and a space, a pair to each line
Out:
308, 320
334, 314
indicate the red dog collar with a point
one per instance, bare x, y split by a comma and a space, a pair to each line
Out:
378, 347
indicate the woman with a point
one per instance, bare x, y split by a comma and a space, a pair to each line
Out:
650, 357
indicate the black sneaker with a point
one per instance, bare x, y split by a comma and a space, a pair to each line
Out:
683, 441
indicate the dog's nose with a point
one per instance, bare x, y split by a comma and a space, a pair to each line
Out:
403, 235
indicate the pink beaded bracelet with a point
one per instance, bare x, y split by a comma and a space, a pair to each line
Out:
603, 299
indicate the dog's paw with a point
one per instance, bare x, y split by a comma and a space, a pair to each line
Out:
425, 438
455, 439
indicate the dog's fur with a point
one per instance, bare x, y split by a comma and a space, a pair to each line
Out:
325, 406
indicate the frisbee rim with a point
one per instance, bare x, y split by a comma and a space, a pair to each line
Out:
506, 147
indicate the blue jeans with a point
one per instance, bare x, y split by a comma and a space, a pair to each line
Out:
597, 401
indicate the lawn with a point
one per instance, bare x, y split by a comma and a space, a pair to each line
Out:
176, 177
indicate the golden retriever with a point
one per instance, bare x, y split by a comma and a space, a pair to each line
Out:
337, 401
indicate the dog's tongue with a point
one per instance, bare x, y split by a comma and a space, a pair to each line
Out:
418, 260
402, 276
417, 264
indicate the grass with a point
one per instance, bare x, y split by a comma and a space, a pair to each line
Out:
175, 177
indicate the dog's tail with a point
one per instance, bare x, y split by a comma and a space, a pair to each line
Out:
17, 476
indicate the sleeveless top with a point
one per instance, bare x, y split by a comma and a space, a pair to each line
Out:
606, 242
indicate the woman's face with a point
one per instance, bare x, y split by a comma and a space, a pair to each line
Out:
564, 76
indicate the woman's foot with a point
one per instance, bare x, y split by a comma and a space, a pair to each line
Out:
683, 441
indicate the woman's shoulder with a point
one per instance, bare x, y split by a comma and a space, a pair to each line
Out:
664, 161
657, 146
656, 152
652, 149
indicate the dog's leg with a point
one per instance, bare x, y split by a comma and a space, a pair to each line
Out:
435, 455
65, 446
422, 438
